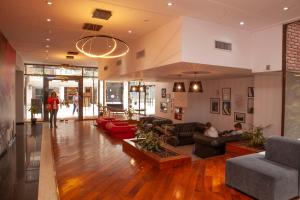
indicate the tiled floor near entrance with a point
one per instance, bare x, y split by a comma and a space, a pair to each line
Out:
91, 165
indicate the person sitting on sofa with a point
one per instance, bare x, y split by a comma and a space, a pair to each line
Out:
238, 129
210, 131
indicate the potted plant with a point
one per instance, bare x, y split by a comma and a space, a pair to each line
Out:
255, 137
129, 113
33, 109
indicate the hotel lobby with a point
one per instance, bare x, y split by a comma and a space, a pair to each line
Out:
149, 100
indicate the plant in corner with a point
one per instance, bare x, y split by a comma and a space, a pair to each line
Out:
255, 137
33, 109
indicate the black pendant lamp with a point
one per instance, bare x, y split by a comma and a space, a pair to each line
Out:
179, 87
195, 86
134, 88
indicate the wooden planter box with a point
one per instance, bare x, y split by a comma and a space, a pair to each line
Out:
240, 149
131, 148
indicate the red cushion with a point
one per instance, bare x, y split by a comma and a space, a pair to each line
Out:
103, 121
121, 131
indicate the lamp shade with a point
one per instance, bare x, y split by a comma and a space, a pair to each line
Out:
134, 88
142, 88
179, 87
195, 86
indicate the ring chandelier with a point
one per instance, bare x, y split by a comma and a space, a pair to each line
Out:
82, 46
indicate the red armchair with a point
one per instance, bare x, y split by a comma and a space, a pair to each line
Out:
101, 122
121, 130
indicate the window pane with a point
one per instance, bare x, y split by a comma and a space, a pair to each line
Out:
34, 69
88, 71
65, 71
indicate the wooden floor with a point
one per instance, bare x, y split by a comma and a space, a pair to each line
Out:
90, 165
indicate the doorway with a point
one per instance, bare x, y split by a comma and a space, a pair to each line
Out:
69, 92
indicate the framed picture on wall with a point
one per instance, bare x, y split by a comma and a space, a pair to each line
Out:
240, 117
163, 107
215, 105
226, 108
226, 94
168, 98
250, 106
163, 93
178, 113
250, 91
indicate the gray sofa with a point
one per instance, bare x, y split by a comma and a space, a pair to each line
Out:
273, 176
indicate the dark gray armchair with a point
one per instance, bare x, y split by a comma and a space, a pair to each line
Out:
273, 176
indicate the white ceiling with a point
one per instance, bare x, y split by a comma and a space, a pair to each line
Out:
23, 22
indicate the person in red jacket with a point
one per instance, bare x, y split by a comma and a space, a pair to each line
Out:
53, 107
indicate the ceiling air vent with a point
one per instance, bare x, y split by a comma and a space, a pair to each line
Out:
223, 45
70, 57
140, 54
119, 62
102, 14
73, 53
91, 27
105, 68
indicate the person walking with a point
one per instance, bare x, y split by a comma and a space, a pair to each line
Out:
75, 102
53, 108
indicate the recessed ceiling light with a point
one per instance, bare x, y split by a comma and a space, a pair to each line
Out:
242, 23
146, 20
47, 51
48, 39
130, 31
47, 46
48, 20
46, 58
170, 4
285, 8
49, 3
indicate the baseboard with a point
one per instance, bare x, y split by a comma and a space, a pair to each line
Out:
20, 123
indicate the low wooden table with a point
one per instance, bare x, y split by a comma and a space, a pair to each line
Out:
240, 148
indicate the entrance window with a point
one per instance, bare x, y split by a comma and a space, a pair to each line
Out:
63, 71
34, 95
90, 97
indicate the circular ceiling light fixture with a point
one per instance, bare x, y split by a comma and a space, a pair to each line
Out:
102, 46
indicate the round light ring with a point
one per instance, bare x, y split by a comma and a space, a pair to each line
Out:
83, 41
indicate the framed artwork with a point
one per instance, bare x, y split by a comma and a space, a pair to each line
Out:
163, 107
163, 93
226, 94
226, 108
250, 106
215, 105
240, 117
250, 91
168, 98
178, 113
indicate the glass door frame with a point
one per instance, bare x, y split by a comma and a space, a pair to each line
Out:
78, 79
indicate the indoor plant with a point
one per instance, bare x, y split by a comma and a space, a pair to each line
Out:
129, 113
33, 109
255, 137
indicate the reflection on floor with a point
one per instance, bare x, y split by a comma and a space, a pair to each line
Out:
91, 165
19, 167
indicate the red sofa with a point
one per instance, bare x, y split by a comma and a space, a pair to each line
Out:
121, 129
101, 122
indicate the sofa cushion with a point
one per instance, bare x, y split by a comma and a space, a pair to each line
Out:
187, 134
284, 151
262, 178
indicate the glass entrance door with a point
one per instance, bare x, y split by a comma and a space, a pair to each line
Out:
68, 94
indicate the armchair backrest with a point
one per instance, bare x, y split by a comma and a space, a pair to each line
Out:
283, 150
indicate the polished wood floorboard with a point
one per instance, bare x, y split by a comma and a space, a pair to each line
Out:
91, 165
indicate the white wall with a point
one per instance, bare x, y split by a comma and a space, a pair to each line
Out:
197, 107
199, 44
266, 49
268, 102
199, 104
162, 47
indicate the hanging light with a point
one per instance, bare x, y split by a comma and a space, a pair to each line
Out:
134, 88
195, 86
178, 87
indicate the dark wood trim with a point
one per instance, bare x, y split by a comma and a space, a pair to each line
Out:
20, 123
283, 77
